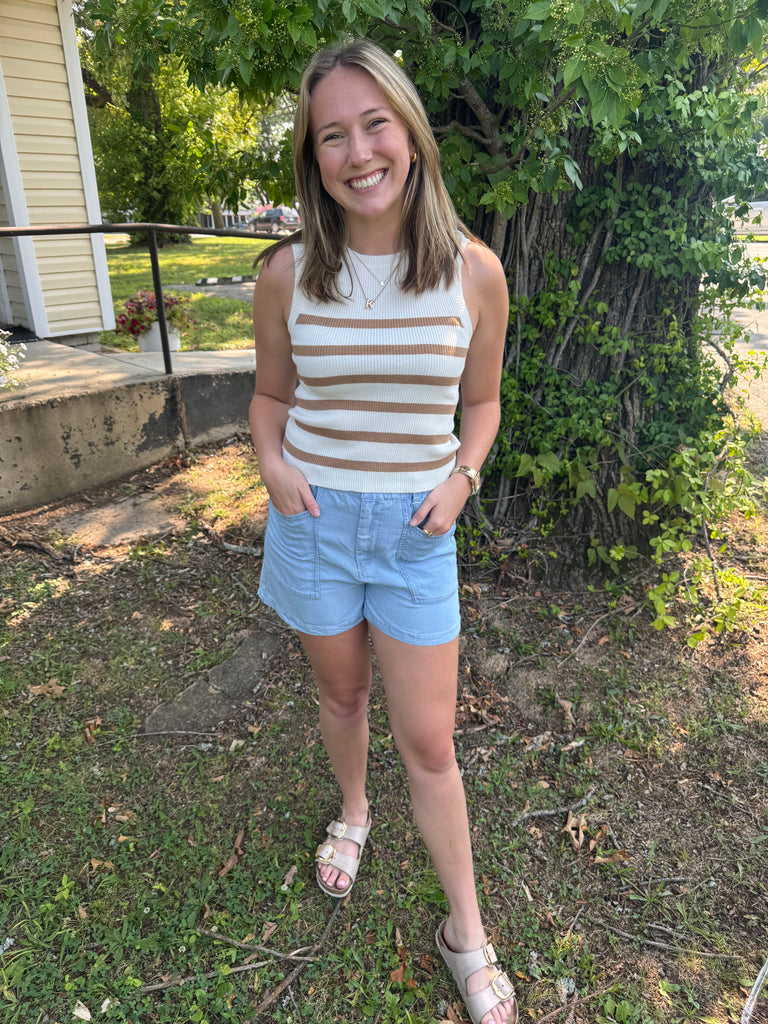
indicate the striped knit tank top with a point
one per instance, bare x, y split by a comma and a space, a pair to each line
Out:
377, 388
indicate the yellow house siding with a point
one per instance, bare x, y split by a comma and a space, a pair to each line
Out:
48, 159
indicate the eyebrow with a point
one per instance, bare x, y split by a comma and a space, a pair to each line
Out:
364, 113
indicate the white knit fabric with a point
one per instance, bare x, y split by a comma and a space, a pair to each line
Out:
377, 388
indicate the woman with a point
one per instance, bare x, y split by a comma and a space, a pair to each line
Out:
381, 310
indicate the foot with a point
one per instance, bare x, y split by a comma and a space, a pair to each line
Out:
342, 852
487, 977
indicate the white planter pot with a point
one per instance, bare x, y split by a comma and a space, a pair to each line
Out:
150, 341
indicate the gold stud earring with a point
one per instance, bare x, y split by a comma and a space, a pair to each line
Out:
413, 158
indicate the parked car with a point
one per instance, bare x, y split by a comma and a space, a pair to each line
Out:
278, 220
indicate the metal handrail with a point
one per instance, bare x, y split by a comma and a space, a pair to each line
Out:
120, 229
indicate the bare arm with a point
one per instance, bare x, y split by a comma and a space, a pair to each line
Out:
487, 298
275, 385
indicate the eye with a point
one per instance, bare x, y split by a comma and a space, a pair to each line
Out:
377, 122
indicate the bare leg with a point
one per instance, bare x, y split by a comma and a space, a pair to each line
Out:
342, 667
420, 684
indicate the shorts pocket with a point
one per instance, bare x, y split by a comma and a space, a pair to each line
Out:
291, 554
428, 564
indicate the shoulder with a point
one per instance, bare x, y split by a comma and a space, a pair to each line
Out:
279, 259
482, 264
273, 290
483, 279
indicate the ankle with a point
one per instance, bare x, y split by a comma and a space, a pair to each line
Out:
355, 813
462, 936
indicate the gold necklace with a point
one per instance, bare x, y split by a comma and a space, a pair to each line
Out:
370, 301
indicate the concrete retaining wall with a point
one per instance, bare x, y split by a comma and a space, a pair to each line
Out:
56, 447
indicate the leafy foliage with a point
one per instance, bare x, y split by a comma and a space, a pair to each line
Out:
592, 145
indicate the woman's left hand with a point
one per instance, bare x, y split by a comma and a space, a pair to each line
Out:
440, 509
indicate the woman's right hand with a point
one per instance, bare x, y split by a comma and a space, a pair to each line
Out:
289, 491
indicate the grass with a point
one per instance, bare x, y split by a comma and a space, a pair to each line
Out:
221, 323
131, 866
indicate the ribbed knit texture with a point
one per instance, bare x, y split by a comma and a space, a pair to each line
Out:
377, 388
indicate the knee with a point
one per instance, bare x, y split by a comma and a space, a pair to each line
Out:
432, 755
345, 702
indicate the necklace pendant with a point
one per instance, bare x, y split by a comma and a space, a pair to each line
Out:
369, 303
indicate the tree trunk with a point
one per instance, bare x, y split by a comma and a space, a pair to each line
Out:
160, 202
637, 307
218, 216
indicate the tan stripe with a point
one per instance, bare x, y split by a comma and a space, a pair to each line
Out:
374, 324
379, 378
375, 350
374, 436
367, 467
403, 408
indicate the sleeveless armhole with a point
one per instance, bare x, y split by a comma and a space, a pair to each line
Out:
298, 254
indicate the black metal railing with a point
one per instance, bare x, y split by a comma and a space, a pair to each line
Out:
151, 231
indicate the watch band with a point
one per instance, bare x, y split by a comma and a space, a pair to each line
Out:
472, 475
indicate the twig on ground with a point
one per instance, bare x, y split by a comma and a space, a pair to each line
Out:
295, 956
303, 961
663, 945
477, 728
174, 982
554, 813
576, 1001
28, 540
586, 635
274, 995
238, 549
172, 732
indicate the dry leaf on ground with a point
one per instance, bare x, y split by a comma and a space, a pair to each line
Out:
574, 829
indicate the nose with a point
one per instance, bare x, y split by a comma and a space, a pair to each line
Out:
359, 151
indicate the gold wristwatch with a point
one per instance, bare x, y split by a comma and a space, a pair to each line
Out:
472, 475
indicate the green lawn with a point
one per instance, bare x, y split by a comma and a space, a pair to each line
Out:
220, 323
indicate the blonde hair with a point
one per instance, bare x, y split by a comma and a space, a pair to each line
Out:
429, 228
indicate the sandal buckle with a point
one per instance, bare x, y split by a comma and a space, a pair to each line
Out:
325, 853
337, 829
502, 986
489, 953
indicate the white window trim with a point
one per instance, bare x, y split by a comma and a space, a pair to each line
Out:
85, 153
18, 217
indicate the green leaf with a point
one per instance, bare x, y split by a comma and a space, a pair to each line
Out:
627, 503
585, 487
538, 11
572, 70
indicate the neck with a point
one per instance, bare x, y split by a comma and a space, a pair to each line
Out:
370, 241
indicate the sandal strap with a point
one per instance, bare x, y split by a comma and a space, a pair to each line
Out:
474, 960
327, 854
480, 1003
357, 833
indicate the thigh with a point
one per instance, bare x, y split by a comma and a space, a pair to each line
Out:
420, 684
341, 663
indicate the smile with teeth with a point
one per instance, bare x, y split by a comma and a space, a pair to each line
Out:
358, 184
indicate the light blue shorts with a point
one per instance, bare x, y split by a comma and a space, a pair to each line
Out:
360, 559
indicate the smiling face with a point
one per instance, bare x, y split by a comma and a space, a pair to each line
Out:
363, 152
